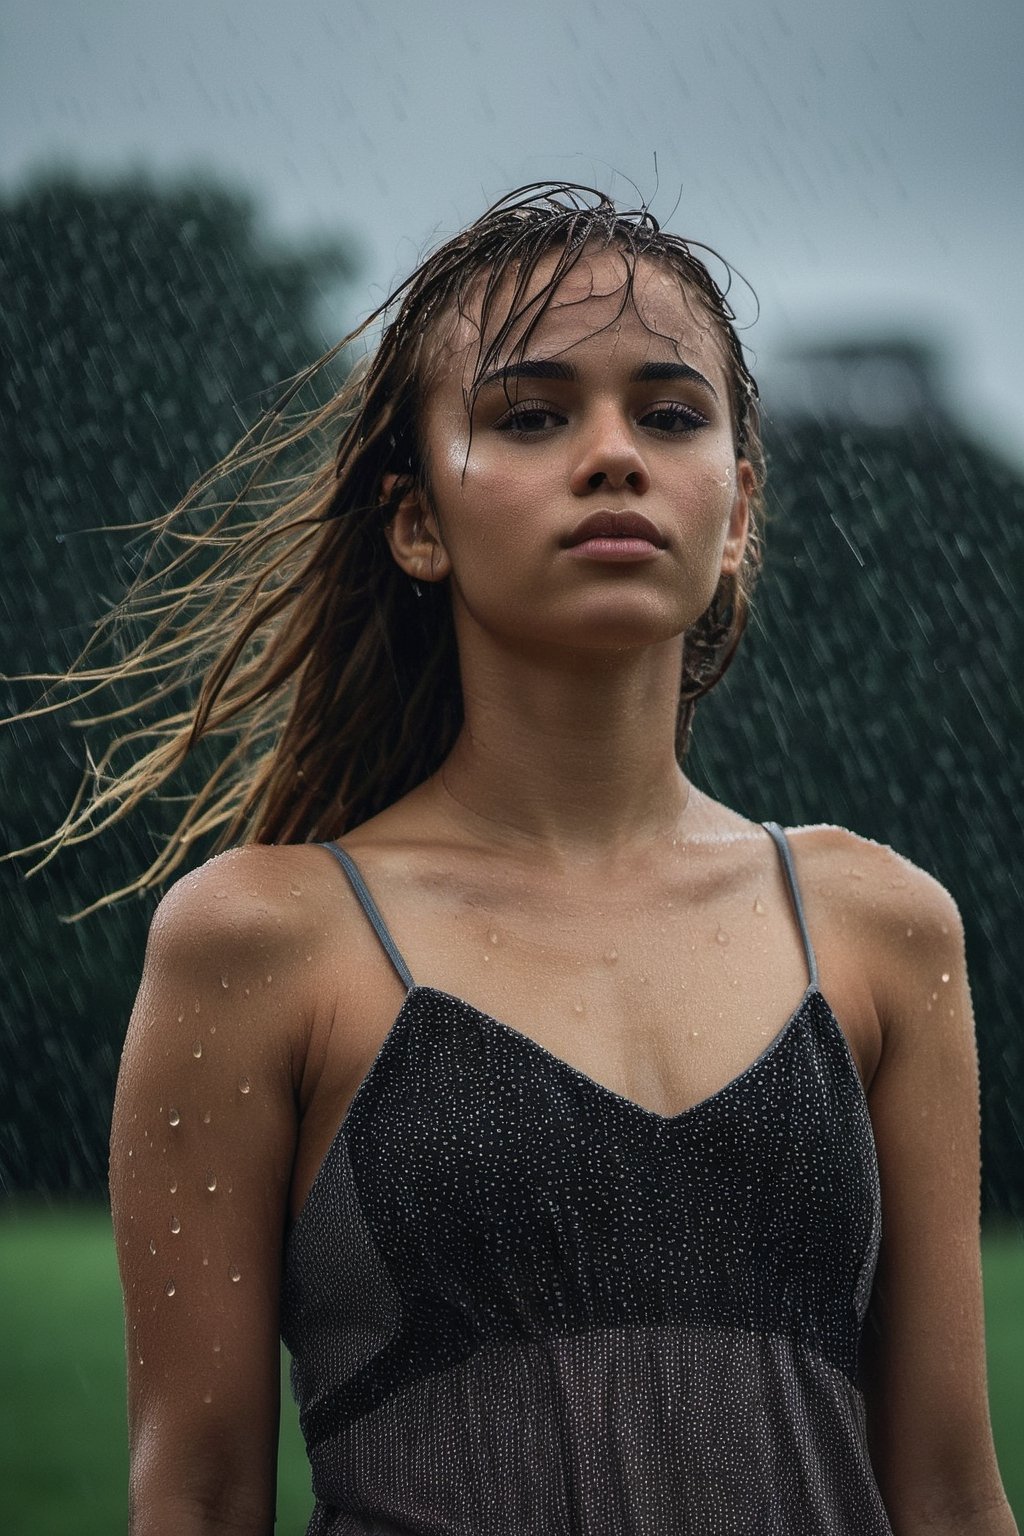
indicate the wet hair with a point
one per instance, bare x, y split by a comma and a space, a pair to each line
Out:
299, 639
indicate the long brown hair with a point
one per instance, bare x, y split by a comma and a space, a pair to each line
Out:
298, 639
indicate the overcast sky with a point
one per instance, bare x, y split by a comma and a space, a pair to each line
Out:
858, 162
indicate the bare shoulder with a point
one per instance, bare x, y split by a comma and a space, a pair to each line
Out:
905, 924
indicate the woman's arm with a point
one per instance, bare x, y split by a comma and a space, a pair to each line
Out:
927, 1401
201, 1154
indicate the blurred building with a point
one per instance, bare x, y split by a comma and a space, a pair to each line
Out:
873, 382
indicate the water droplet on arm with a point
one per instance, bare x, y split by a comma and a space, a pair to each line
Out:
244, 1085
197, 1049
169, 1288
211, 1182
611, 955
236, 1273
758, 904
722, 936
174, 1118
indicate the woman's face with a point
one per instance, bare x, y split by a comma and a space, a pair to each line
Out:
598, 497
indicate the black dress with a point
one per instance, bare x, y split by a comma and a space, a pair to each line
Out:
519, 1303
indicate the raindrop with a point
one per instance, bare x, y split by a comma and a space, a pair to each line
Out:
269, 978
945, 975
722, 936
174, 1117
236, 1274
175, 1225
152, 1246
141, 1361
206, 1260
295, 890
131, 1151
180, 1017
169, 1288
197, 1049
492, 938
244, 1085
611, 955
577, 1005
207, 1396
486, 957
211, 1182
174, 1186
196, 1008
224, 982
758, 904
246, 991
909, 932
206, 1117
216, 1346
694, 1033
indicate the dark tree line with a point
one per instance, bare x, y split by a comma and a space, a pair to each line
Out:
878, 686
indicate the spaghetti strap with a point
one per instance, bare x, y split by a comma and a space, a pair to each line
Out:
779, 837
369, 906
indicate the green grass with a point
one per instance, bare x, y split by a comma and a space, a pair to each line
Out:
63, 1460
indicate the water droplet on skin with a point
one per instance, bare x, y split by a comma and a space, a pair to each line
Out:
694, 1033
224, 983
174, 1117
220, 895
131, 1151
935, 997
180, 1017
206, 1260
295, 890
206, 1117
269, 978
945, 975
152, 1246
174, 1186
236, 1274
216, 1346
211, 1182
175, 1225
492, 938
909, 932
577, 1005
244, 1085
197, 1049
196, 1008
758, 904
207, 1396
169, 1288
610, 956
246, 990
722, 936
141, 1361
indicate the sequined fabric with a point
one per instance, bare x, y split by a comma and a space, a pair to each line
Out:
517, 1302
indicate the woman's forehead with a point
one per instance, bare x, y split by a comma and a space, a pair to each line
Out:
605, 298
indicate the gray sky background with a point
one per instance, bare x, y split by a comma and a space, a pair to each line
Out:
859, 163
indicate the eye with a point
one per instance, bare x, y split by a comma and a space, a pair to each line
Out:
674, 419
528, 419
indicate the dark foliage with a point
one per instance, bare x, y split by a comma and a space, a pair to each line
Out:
142, 330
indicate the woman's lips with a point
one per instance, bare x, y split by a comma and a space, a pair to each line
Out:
616, 536
614, 549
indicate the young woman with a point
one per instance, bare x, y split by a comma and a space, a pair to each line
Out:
607, 1161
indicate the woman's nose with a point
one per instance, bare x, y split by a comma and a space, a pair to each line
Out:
609, 457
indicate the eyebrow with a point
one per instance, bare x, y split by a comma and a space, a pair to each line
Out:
554, 368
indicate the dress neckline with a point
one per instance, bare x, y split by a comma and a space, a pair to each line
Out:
626, 1105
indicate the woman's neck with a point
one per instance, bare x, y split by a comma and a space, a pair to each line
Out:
575, 757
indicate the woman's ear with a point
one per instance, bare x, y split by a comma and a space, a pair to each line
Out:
739, 518
413, 533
